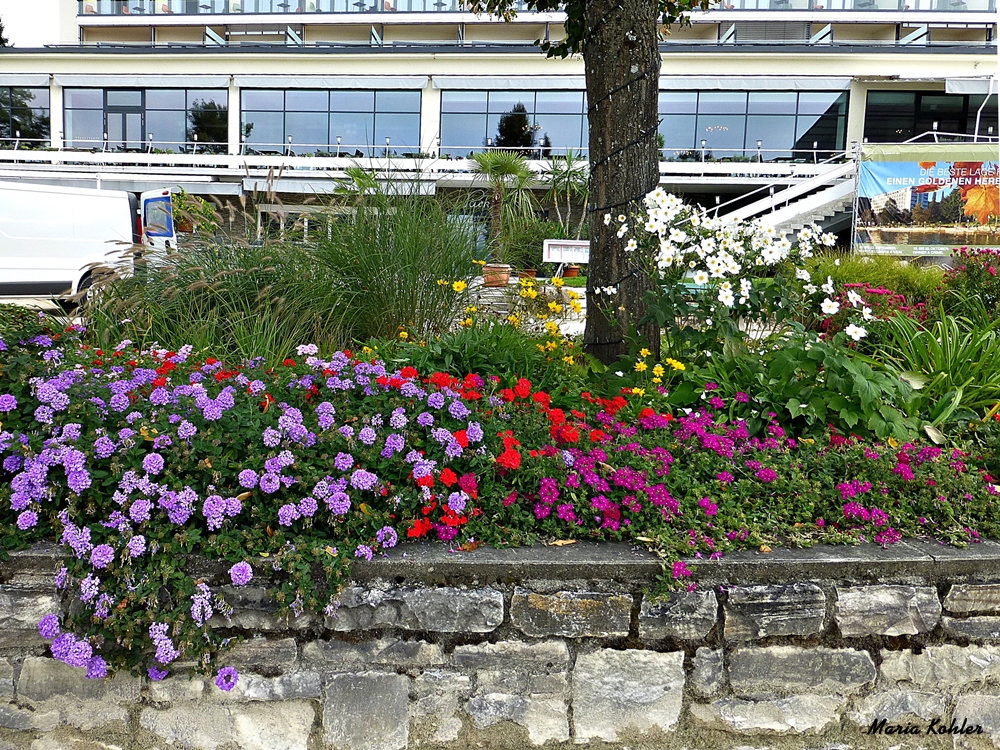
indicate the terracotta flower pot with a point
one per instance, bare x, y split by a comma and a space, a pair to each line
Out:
527, 273
496, 274
571, 271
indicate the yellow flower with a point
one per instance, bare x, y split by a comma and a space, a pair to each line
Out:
528, 293
542, 316
479, 262
555, 307
657, 380
404, 335
550, 345
675, 364
573, 296
514, 319
467, 323
459, 286
552, 328
442, 282
640, 366
557, 282
470, 309
576, 307
526, 281
658, 370
541, 348
644, 352
638, 391
568, 360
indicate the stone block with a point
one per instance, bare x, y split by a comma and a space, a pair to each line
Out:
21, 607
688, 615
287, 687
969, 598
770, 610
776, 671
546, 717
177, 688
6, 680
978, 710
440, 610
886, 610
797, 714
89, 715
257, 726
571, 614
941, 667
45, 679
619, 691
982, 628
390, 651
896, 705
22, 719
367, 711
262, 655
513, 655
709, 675
438, 694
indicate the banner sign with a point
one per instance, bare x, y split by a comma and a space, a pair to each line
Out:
924, 199
566, 251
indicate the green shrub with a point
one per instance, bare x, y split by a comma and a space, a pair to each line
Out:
917, 283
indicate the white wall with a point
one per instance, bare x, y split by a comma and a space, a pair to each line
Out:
34, 23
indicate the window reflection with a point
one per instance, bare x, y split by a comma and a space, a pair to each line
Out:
24, 111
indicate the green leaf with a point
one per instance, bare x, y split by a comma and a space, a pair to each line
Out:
935, 434
915, 380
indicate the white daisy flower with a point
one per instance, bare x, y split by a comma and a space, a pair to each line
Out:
829, 307
856, 332
701, 278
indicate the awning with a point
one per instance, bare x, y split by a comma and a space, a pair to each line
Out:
330, 82
24, 79
139, 81
968, 86
667, 83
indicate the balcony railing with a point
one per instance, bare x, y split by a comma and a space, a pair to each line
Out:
975, 6
241, 7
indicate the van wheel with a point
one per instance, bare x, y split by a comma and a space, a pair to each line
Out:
83, 291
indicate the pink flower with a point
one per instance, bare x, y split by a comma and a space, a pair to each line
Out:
681, 570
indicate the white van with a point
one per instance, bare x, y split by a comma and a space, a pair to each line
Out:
51, 236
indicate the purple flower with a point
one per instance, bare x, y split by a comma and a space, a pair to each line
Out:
308, 506
80, 654
7, 402
186, 430
156, 674
363, 480
227, 678
436, 400
27, 519
425, 419
338, 503
136, 545
62, 645
347, 431
367, 436
398, 419
241, 574
766, 475
43, 414
97, 668
287, 514
458, 410
474, 432
102, 556
743, 398
248, 479
270, 483
48, 627
364, 551
89, 587
343, 461
271, 437
120, 402
153, 463
457, 500
387, 537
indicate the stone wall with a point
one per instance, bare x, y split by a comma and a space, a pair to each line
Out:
558, 646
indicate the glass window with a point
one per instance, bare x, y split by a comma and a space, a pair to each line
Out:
563, 131
263, 101
722, 102
466, 132
219, 96
308, 130
505, 101
772, 103
84, 98
723, 133
776, 134
84, 128
828, 133
682, 102
124, 98
352, 101
559, 102
951, 104
678, 133
264, 130
821, 102
355, 130
169, 128
34, 98
463, 101
301, 100
402, 130
165, 99
890, 116
397, 101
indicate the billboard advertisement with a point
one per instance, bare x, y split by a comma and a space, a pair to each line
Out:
925, 199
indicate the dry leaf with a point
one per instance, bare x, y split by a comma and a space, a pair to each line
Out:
605, 467
764, 548
982, 201
331, 551
365, 508
562, 542
644, 539
243, 496
469, 546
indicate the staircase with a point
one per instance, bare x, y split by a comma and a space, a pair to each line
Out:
826, 199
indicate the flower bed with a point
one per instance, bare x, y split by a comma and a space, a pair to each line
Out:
136, 460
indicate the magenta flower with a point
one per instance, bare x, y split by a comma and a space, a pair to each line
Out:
681, 570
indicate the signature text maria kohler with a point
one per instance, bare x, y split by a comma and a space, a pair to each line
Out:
934, 726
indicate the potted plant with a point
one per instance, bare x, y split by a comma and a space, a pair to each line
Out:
571, 271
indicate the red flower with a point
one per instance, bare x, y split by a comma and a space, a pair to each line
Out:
382, 380
510, 499
462, 438
507, 394
420, 527
598, 436
289, 363
211, 361
409, 372
523, 388
448, 477
427, 481
557, 416
542, 398
509, 459
467, 483
159, 382
442, 379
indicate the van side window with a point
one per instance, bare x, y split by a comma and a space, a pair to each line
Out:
159, 218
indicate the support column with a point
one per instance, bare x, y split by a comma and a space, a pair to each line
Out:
857, 99
430, 117
235, 128
56, 116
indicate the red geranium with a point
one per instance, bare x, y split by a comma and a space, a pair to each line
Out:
509, 459
523, 388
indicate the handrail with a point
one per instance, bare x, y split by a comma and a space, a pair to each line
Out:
794, 191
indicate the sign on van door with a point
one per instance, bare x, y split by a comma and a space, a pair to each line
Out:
158, 220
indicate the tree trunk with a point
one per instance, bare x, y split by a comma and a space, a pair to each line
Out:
622, 61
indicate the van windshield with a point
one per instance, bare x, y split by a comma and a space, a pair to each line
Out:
159, 218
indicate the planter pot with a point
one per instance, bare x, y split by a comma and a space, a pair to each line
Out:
527, 273
496, 274
571, 271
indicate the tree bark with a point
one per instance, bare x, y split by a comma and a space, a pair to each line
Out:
622, 61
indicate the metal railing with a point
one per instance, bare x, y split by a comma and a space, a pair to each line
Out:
973, 6
241, 7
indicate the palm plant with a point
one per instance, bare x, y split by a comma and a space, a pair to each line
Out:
567, 178
510, 182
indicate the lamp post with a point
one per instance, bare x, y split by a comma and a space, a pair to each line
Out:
288, 149
759, 144
338, 146
703, 144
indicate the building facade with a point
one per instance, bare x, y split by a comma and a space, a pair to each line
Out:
756, 85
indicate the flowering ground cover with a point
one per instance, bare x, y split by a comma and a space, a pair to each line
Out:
137, 459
